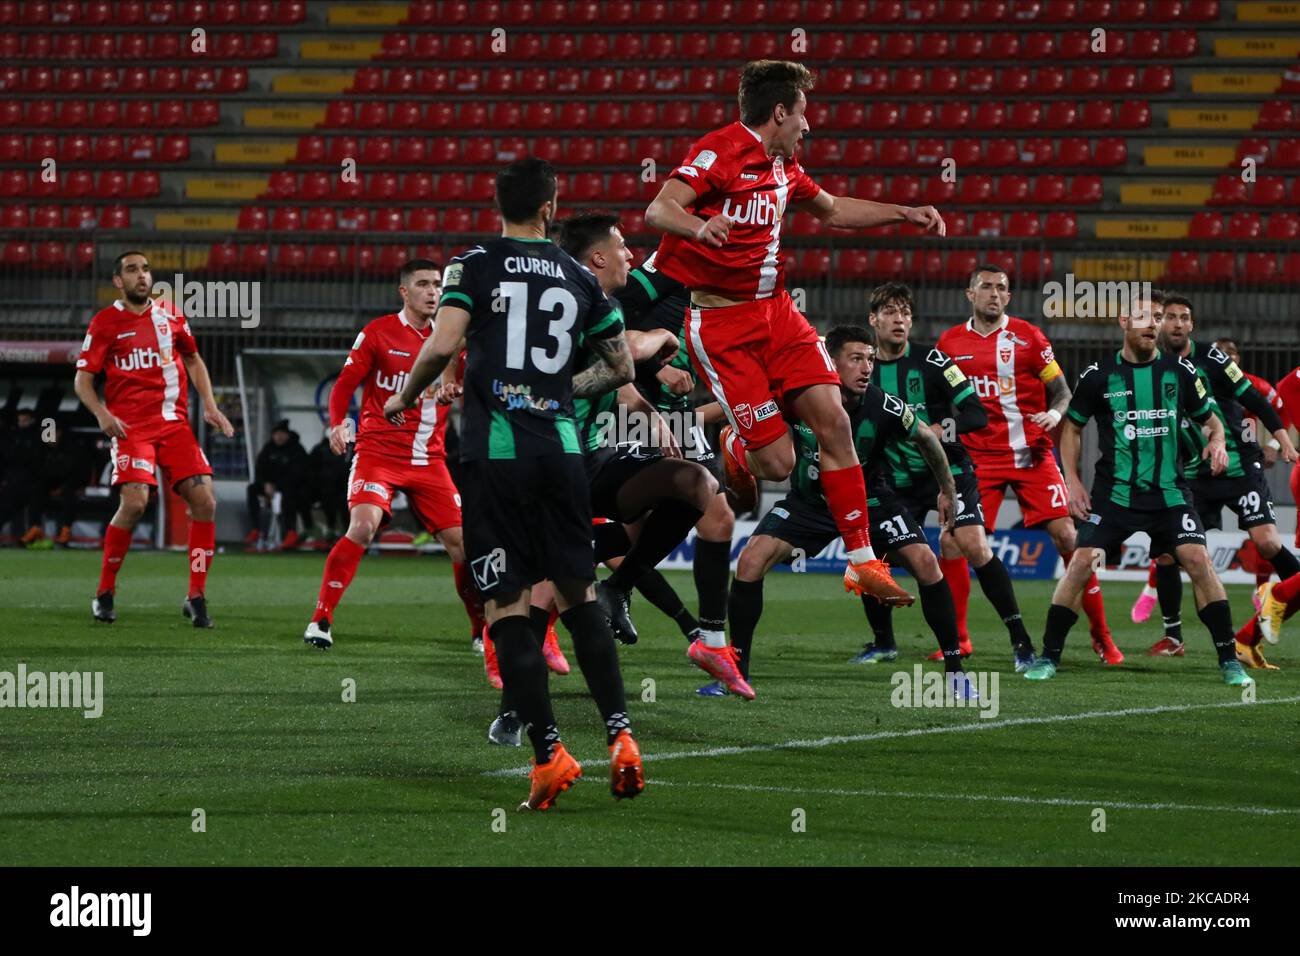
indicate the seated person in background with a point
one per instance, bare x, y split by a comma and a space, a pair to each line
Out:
66, 468
21, 452
329, 482
281, 468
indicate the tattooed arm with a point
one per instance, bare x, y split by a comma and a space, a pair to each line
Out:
1058, 400
614, 369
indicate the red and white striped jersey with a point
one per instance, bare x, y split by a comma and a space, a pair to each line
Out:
1008, 368
380, 361
1288, 393
731, 173
139, 353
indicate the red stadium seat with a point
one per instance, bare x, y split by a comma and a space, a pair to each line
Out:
1228, 190
1073, 151
954, 114
1049, 190
1261, 267
1275, 115
1133, 114
1023, 225
1291, 268
16, 253
869, 187
1220, 266
1061, 225
1180, 44
381, 187
905, 190
286, 219
13, 183
1049, 81
1283, 225
1077, 44
987, 224
1038, 46
115, 217
975, 190
390, 259
1025, 114
411, 151
1205, 225
926, 264
938, 192
1011, 81
989, 115
1244, 225
111, 184
1096, 114
144, 185
354, 219
969, 45
1034, 266
1269, 191
1183, 266
1110, 151
424, 219
141, 148
1037, 151
1012, 190
960, 264
1085, 190
223, 256
107, 149
324, 258
487, 221
253, 219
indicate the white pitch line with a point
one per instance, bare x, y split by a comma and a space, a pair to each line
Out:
988, 798
976, 726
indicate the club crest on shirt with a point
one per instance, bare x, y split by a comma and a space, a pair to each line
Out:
744, 415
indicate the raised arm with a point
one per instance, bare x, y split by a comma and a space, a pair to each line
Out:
667, 212
1058, 400
844, 212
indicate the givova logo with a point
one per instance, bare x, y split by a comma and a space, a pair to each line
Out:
75, 909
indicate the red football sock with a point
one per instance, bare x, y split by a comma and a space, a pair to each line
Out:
469, 596
1092, 602
1287, 591
1151, 575
340, 567
1262, 579
957, 574
846, 493
116, 543
203, 544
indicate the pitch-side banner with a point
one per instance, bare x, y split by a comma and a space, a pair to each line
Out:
1026, 554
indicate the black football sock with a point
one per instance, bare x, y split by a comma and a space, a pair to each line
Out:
995, 582
538, 619
654, 587
523, 671
881, 619
609, 540
744, 608
1285, 563
941, 615
593, 642
712, 570
1059, 621
664, 529
1169, 589
1217, 618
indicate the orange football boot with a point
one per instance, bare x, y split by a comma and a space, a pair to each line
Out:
551, 779
873, 579
626, 776
720, 663
555, 658
490, 662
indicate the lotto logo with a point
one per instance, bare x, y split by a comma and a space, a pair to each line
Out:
853, 515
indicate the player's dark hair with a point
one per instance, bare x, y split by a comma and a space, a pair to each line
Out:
883, 295
1158, 296
579, 233
987, 267
117, 263
1223, 340
1177, 298
522, 188
842, 335
765, 83
414, 266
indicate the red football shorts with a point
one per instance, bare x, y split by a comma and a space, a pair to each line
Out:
752, 355
435, 502
170, 445
1295, 496
1040, 490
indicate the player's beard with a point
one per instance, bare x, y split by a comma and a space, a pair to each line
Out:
133, 298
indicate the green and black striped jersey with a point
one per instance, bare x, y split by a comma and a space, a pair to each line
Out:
650, 301
1234, 395
938, 391
531, 307
1137, 409
879, 421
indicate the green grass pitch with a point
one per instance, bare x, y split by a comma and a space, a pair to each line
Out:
249, 724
